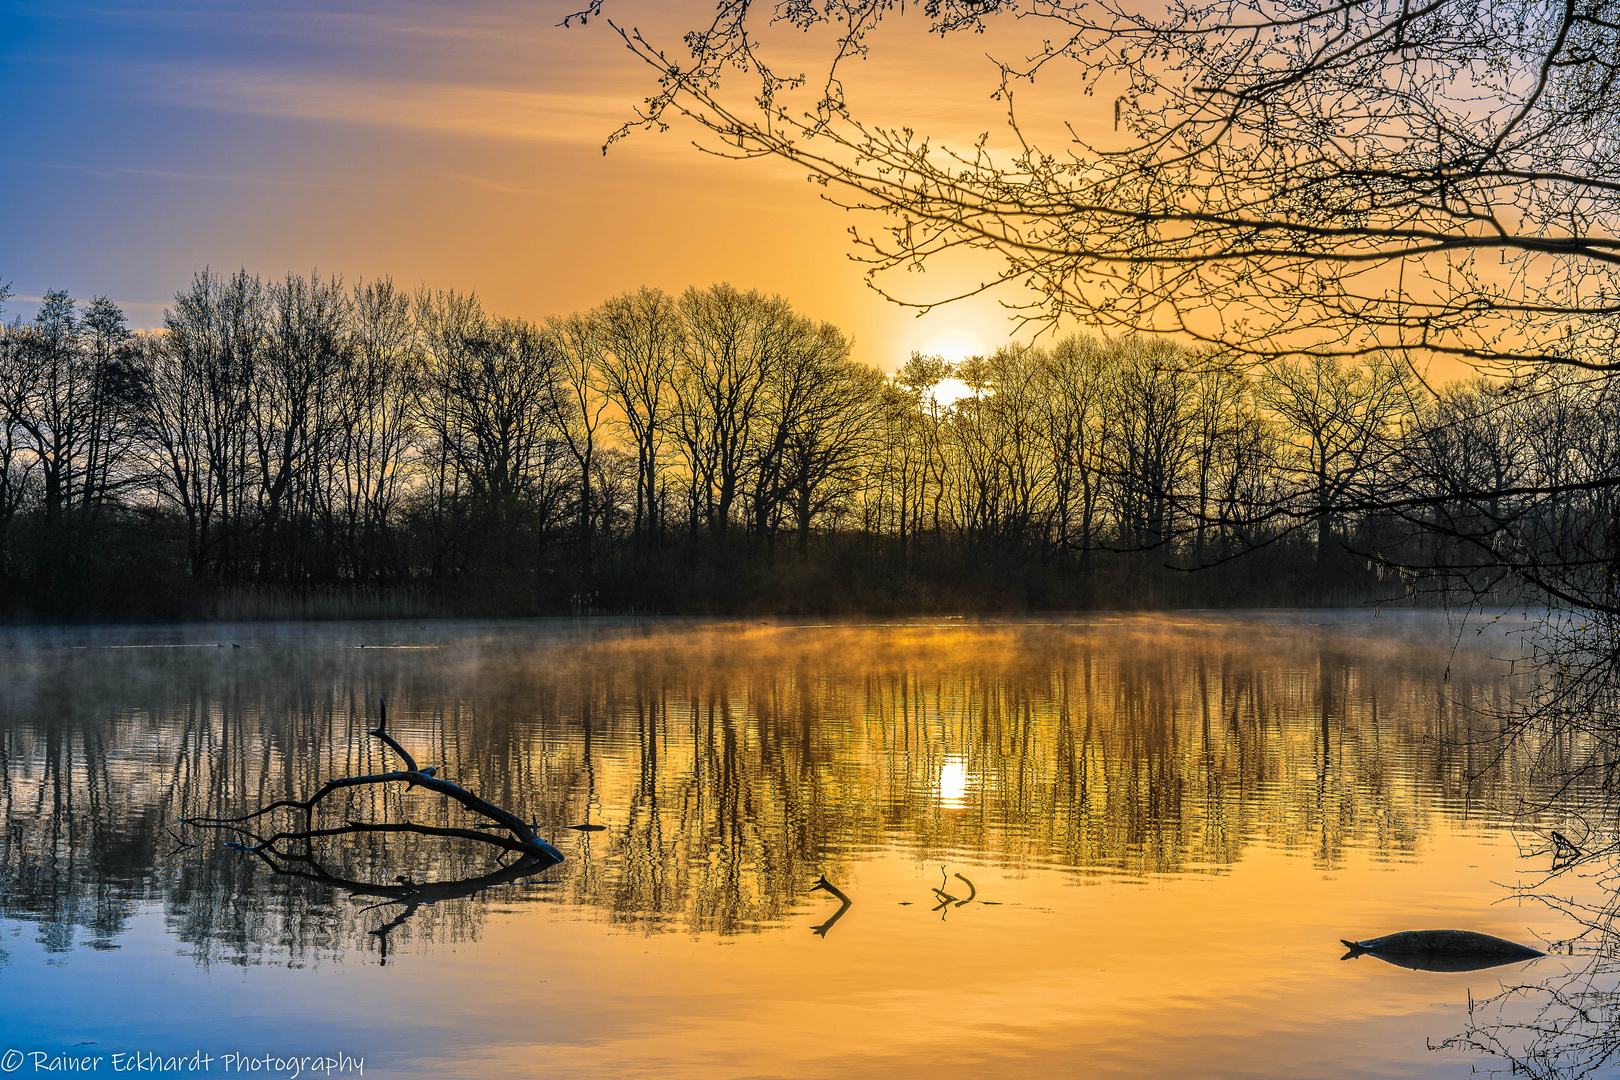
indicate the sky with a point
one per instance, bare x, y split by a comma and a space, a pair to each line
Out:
448, 145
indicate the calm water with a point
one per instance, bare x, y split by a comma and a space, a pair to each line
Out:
1106, 846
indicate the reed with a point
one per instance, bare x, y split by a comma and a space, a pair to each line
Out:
258, 603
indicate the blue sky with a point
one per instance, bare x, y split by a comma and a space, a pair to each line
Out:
447, 145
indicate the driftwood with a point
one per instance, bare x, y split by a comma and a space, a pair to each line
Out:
844, 903
946, 900
1565, 851
534, 853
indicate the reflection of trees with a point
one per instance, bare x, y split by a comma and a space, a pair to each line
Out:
732, 767
1566, 1024
1563, 1026
1561, 1029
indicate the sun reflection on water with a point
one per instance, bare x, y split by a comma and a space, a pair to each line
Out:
953, 782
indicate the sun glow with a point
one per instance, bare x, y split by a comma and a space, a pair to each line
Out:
954, 344
948, 392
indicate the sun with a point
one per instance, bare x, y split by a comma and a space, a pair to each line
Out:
948, 392
954, 344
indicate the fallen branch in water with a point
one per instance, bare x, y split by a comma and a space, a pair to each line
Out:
1565, 851
843, 905
520, 839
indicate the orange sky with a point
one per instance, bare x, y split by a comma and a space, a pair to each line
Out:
457, 146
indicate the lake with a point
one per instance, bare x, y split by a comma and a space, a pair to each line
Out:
1085, 845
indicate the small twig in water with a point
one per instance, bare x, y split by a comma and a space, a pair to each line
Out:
844, 903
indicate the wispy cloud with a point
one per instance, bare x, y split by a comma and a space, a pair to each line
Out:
145, 305
499, 187
113, 171
430, 24
481, 111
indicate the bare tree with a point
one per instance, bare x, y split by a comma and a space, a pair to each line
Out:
15, 465
1342, 420
116, 390
1437, 179
47, 393
295, 417
921, 376
735, 342
1147, 454
830, 442
1002, 494
578, 402
897, 486
800, 405
444, 320
378, 422
196, 419
68, 397
486, 400
1073, 381
642, 340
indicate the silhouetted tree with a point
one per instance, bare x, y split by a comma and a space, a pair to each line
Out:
197, 420
734, 344
295, 419
1343, 423
579, 403
378, 427
486, 402
830, 441
642, 340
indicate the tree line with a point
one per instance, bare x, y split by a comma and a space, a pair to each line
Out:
720, 452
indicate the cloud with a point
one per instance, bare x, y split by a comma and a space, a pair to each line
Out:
461, 108
113, 171
145, 305
499, 187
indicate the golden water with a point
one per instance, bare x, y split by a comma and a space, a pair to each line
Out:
1083, 846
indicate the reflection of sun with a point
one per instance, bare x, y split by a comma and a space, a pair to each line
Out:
953, 782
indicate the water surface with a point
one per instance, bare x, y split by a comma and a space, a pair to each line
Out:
1089, 846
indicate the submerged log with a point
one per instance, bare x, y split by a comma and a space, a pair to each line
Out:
1441, 950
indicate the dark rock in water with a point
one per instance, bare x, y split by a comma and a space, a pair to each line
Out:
588, 828
1441, 950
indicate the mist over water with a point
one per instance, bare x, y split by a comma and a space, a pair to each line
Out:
1053, 834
